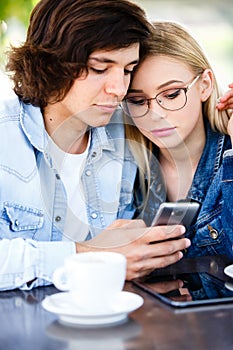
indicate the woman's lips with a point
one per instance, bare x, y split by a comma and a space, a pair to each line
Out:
163, 132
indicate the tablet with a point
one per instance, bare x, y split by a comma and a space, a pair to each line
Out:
204, 283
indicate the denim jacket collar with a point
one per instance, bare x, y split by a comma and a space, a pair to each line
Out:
208, 164
32, 122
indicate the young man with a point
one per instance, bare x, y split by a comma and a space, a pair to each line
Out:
66, 172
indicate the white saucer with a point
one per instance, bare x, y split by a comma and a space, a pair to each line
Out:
229, 271
69, 313
229, 286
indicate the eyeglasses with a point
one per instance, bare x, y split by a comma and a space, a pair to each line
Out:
137, 106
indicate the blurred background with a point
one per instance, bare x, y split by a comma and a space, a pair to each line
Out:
210, 22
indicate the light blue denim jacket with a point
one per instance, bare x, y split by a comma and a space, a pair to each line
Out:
212, 232
33, 200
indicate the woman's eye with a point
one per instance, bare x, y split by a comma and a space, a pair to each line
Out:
171, 94
140, 101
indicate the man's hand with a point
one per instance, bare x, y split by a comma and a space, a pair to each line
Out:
146, 248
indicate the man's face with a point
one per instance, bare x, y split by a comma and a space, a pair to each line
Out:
95, 95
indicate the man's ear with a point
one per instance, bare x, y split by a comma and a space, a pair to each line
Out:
206, 84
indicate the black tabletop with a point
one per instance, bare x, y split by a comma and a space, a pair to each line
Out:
25, 324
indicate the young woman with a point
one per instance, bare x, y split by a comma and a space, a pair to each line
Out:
172, 102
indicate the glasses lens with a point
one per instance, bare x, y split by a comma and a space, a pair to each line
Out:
135, 106
172, 99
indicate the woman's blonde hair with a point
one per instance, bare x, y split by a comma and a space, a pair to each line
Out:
172, 40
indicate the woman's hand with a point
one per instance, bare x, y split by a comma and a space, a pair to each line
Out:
146, 248
226, 101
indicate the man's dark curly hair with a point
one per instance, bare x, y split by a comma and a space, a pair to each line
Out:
61, 36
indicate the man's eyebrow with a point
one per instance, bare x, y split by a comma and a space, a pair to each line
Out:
107, 60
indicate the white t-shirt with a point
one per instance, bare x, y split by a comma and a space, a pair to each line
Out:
70, 167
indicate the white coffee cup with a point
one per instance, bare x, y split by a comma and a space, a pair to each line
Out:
93, 279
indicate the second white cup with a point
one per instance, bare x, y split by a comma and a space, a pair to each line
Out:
93, 279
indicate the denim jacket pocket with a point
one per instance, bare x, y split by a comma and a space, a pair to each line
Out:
22, 218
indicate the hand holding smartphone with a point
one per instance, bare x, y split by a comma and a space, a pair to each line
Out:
177, 213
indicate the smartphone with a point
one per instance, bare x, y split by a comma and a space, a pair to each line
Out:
176, 213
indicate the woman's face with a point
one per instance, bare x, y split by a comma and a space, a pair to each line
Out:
168, 128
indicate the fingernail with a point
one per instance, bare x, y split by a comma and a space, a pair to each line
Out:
180, 255
182, 229
187, 243
181, 283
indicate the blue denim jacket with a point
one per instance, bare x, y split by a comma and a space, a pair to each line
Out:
212, 187
33, 199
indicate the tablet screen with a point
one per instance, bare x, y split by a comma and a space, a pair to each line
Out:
191, 282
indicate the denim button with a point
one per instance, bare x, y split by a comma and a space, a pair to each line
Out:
88, 172
58, 218
213, 233
94, 154
58, 176
94, 215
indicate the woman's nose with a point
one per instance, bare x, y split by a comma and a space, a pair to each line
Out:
155, 110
